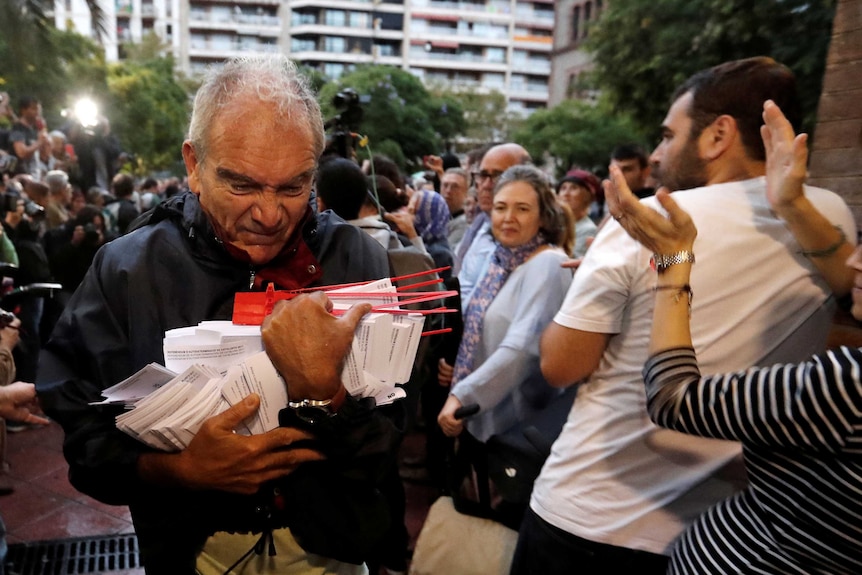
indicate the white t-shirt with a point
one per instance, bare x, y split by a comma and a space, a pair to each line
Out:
613, 476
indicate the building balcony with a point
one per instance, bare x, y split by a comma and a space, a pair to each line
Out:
222, 50
455, 62
323, 30
535, 67
528, 92
193, 3
265, 24
491, 8
527, 17
380, 5
322, 56
535, 43
423, 35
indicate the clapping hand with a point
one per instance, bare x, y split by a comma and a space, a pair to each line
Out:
786, 158
660, 234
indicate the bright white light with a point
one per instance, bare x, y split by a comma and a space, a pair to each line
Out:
87, 112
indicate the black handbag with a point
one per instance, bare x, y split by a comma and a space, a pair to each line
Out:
494, 479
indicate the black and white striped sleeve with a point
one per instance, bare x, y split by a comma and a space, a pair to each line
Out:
814, 405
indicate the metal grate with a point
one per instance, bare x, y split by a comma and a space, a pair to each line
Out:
111, 553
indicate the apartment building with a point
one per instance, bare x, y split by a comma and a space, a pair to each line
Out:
502, 45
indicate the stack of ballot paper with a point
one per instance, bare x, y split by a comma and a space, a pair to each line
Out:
214, 365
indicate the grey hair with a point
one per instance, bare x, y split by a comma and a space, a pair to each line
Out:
551, 217
56, 180
272, 78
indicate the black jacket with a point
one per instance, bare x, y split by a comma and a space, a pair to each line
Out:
170, 273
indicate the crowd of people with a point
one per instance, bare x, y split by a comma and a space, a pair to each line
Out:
51, 226
561, 282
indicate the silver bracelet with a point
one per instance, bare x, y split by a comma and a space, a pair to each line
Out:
660, 262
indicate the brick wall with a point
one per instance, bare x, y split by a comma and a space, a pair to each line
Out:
836, 159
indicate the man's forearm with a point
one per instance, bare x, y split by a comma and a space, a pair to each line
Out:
823, 244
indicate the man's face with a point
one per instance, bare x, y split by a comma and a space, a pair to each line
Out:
492, 167
632, 171
676, 161
31, 112
453, 188
255, 180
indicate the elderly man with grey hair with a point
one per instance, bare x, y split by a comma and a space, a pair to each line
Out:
304, 496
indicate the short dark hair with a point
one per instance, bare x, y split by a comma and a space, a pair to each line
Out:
342, 187
123, 186
630, 152
149, 183
739, 88
25, 102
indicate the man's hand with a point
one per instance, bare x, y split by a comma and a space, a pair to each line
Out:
659, 234
11, 334
403, 220
786, 159
434, 163
451, 427
308, 345
219, 459
18, 402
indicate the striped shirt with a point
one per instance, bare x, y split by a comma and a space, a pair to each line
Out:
800, 426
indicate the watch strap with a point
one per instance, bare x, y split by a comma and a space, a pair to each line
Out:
660, 262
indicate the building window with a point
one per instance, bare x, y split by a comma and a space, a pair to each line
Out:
576, 23
333, 71
335, 44
360, 20
336, 18
302, 45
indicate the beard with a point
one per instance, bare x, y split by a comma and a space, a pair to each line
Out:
686, 171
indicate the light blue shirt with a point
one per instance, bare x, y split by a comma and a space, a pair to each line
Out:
476, 262
507, 380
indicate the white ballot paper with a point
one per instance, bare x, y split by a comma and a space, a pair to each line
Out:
216, 364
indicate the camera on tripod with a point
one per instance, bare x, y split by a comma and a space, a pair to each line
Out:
344, 124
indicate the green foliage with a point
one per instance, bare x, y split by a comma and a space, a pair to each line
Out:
643, 49
38, 60
149, 111
386, 148
484, 113
63, 64
575, 133
316, 78
400, 110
